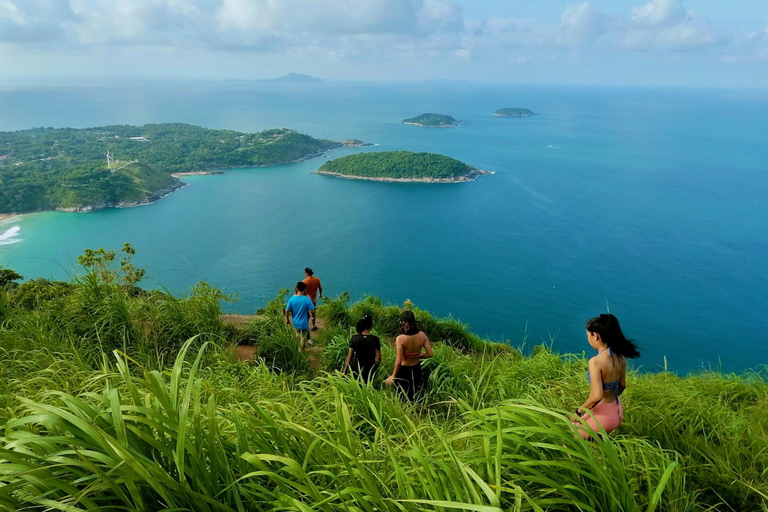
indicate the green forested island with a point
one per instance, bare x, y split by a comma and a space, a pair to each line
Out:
115, 398
401, 166
432, 121
514, 112
81, 169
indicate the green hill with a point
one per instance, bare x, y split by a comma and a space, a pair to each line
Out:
43, 168
514, 112
433, 121
116, 398
400, 165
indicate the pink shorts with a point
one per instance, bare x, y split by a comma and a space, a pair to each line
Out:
609, 416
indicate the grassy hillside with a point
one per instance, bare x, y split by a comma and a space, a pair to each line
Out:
113, 398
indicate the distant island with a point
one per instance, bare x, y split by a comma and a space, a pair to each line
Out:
296, 79
401, 166
513, 112
432, 121
72, 169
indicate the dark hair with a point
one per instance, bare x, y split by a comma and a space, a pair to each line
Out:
301, 286
407, 317
308, 270
607, 326
364, 324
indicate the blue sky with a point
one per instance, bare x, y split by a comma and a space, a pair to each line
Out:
612, 42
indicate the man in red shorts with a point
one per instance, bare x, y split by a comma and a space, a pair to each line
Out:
313, 286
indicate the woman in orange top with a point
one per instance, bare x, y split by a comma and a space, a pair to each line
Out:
412, 346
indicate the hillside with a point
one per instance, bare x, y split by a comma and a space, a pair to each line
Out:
514, 112
116, 398
400, 166
44, 168
432, 121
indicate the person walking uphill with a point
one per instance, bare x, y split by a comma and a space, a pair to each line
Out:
607, 376
313, 286
409, 345
298, 310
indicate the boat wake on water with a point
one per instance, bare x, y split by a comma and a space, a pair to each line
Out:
10, 236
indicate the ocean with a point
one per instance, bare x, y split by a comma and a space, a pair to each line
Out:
650, 203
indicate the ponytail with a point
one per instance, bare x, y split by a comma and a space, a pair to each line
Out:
607, 326
364, 324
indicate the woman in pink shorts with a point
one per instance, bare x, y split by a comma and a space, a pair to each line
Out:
607, 376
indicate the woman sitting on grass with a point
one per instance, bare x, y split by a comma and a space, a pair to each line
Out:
607, 375
366, 350
409, 345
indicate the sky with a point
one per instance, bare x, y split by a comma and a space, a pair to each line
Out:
688, 43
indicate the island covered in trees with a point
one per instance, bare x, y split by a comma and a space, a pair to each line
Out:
433, 121
402, 166
83, 169
514, 112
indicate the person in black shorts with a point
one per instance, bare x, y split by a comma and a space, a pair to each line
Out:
364, 351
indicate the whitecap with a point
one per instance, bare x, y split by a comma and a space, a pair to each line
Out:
10, 236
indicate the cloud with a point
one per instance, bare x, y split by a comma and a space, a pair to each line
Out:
659, 13
581, 24
668, 26
10, 11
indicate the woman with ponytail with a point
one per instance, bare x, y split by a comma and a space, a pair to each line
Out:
607, 375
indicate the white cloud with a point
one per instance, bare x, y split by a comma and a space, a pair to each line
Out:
10, 11
581, 24
668, 26
659, 13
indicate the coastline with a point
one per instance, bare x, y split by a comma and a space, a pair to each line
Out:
470, 176
456, 125
195, 173
8, 216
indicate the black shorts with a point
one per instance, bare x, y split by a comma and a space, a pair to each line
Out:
410, 381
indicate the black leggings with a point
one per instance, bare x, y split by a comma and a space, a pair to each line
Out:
363, 373
410, 380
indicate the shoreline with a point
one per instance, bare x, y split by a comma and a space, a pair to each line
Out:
471, 176
196, 173
8, 216
456, 125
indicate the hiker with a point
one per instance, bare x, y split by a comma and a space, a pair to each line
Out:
607, 376
313, 286
409, 345
299, 309
366, 350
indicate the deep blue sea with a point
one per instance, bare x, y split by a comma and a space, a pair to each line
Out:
647, 202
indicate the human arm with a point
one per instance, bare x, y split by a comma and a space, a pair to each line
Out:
595, 388
427, 347
346, 363
320, 288
623, 381
398, 361
288, 311
378, 356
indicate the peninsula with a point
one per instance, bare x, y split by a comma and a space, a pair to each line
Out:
514, 112
116, 166
433, 121
401, 166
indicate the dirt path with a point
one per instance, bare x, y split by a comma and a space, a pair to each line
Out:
249, 352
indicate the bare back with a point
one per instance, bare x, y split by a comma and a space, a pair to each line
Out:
411, 346
612, 368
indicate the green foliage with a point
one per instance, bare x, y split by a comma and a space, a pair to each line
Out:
111, 400
434, 120
514, 112
8, 276
397, 164
48, 168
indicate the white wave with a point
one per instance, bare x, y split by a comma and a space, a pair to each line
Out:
10, 236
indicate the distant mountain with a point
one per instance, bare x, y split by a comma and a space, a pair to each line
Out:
295, 78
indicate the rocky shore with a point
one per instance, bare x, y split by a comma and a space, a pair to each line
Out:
470, 176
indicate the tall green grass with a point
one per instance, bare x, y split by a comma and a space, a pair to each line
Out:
113, 398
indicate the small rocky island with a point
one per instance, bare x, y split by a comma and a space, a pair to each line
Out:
433, 121
401, 166
514, 112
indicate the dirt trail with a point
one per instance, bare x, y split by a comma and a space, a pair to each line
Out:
249, 352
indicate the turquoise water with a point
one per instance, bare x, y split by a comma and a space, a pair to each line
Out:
651, 203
